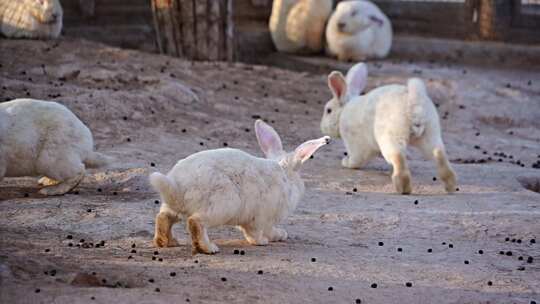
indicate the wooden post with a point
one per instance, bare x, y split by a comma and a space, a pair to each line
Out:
195, 29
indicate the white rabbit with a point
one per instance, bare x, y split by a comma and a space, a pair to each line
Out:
35, 19
41, 138
386, 120
230, 187
297, 26
358, 30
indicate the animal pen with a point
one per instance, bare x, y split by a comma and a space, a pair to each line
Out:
157, 82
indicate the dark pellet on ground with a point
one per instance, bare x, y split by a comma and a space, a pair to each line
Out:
481, 251
224, 279
152, 165
530, 260
172, 274
408, 284
355, 190
358, 301
381, 244
151, 280
130, 257
156, 202
104, 281
509, 253
128, 139
88, 210
501, 252
225, 144
81, 241
260, 272
532, 241
451, 245
434, 178
242, 252
99, 190
160, 260
133, 251
399, 249
47, 250
196, 261
133, 245
330, 288
92, 298
156, 252
37, 290
518, 241
507, 239
521, 268
466, 262
489, 283
70, 244
416, 202
157, 289
236, 251
153, 258
430, 250
520, 258
443, 243
374, 285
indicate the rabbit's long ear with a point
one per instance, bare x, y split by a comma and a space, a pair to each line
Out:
357, 79
268, 139
338, 85
305, 150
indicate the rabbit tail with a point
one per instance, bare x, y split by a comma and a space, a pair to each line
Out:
162, 184
417, 99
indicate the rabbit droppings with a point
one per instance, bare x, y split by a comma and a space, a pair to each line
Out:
385, 121
35, 19
41, 138
230, 187
358, 30
297, 26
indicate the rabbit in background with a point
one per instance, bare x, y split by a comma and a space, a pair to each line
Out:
34, 19
230, 187
297, 26
358, 30
386, 120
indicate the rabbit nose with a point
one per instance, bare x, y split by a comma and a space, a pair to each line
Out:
327, 140
341, 26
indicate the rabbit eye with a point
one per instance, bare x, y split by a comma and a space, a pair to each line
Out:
328, 111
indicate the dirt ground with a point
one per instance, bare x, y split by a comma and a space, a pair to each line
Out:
149, 111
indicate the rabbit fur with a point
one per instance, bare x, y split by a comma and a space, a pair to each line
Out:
358, 30
41, 138
297, 26
34, 19
230, 187
386, 120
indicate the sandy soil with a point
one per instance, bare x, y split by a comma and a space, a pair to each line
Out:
147, 109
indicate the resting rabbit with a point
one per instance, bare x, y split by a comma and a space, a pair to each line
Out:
230, 187
41, 138
386, 120
358, 30
297, 26
35, 19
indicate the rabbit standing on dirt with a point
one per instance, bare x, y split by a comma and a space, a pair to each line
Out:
358, 30
35, 19
41, 138
297, 26
230, 187
386, 120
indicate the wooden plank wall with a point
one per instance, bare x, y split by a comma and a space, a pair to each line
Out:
123, 23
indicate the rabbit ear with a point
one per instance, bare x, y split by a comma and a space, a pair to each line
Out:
268, 139
305, 150
337, 84
357, 79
